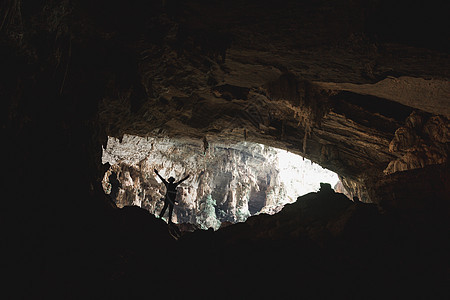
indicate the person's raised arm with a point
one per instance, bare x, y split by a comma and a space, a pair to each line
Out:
163, 180
182, 180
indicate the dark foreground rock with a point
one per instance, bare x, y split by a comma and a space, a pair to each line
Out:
324, 245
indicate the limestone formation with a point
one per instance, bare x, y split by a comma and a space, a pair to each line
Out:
423, 140
227, 183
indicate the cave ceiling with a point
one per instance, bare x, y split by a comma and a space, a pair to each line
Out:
335, 81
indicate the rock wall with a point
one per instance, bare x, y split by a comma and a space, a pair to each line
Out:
423, 140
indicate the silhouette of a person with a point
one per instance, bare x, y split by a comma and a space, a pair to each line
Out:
115, 185
171, 194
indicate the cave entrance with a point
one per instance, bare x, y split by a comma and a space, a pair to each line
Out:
227, 184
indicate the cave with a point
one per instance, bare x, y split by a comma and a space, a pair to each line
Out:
359, 87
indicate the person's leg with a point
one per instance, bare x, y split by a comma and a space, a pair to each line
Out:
114, 194
164, 209
170, 212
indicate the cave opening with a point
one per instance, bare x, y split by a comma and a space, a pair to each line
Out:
228, 182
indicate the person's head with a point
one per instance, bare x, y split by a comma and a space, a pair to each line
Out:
171, 179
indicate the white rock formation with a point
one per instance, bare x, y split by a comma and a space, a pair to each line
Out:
227, 182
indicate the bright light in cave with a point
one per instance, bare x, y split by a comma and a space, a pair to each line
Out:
227, 183
300, 175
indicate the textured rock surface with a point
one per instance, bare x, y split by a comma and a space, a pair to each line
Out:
228, 183
331, 81
338, 104
420, 142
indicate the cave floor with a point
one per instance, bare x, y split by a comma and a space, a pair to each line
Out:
324, 245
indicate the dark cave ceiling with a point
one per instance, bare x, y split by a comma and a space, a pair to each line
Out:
360, 87
305, 76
